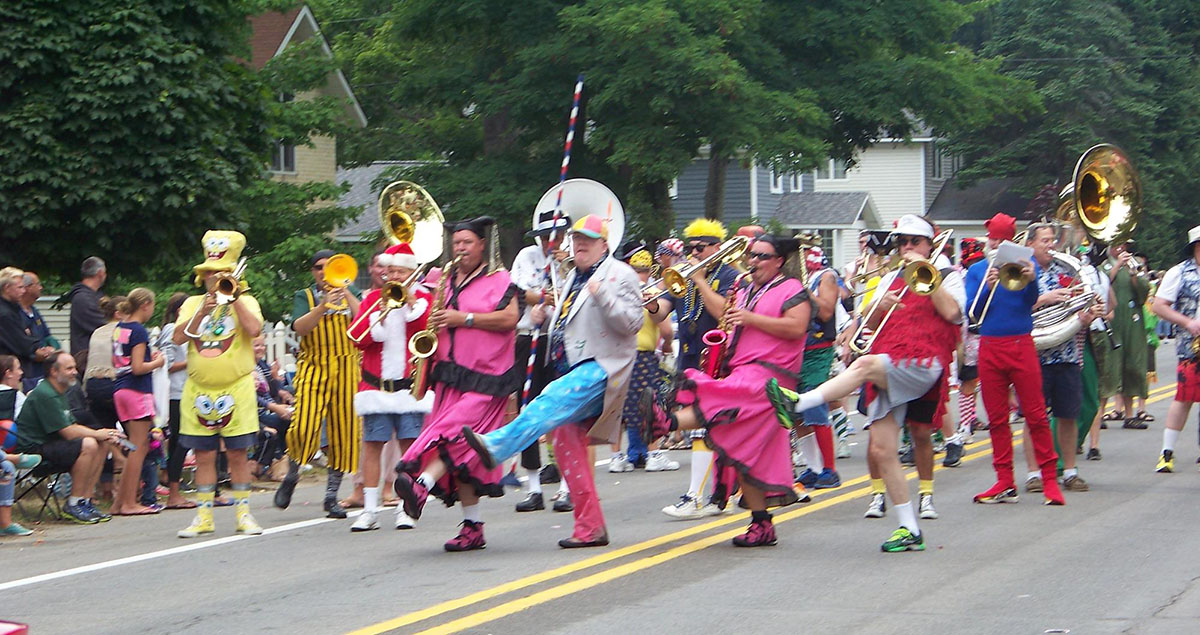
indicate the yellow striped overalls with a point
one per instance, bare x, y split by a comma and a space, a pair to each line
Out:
327, 375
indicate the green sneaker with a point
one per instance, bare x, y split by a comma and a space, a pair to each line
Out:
784, 401
15, 529
903, 540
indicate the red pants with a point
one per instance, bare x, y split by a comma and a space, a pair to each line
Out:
570, 450
1005, 361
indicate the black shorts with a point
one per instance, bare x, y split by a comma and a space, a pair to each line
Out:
1062, 385
209, 443
968, 373
60, 454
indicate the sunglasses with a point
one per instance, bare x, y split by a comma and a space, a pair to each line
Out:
758, 255
902, 241
696, 247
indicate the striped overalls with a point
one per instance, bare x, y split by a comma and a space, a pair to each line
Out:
327, 375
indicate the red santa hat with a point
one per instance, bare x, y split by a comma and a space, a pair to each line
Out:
398, 256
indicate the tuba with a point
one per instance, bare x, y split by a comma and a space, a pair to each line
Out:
1102, 203
407, 213
574, 199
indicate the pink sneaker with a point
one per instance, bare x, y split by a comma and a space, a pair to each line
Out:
469, 538
760, 534
412, 493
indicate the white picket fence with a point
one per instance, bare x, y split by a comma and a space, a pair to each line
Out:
282, 345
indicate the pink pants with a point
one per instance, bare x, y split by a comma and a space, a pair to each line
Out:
570, 450
1005, 361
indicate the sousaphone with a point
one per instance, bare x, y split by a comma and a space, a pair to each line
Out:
408, 214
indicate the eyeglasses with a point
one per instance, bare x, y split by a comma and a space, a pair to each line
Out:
902, 240
758, 255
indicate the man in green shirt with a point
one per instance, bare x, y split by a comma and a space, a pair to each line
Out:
46, 427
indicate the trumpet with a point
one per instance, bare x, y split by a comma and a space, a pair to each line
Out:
229, 285
675, 278
920, 276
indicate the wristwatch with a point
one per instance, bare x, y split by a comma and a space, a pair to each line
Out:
470, 320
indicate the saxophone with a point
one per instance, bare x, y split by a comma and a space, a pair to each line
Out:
716, 341
424, 343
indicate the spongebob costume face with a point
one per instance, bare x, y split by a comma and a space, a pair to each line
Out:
219, 396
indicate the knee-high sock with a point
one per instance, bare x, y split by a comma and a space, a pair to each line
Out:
841, 423
204, 502
824, 435
966, 412
811, 450
332, 484
241, 498
702, 459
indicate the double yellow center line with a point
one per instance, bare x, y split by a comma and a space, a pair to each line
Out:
827, 499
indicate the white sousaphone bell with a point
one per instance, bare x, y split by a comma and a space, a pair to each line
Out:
581, 197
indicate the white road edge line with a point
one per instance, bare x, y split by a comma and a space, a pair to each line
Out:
162, 553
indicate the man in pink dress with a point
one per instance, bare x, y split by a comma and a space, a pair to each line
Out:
473, 375
769, 320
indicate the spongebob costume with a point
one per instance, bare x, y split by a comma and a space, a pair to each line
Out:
219, 400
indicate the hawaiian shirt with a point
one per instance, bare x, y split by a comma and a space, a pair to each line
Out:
1058, 276
558, 341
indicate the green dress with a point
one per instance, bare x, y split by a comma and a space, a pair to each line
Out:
1124, 369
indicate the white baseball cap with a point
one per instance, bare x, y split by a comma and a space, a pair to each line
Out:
1194, 234
913, 225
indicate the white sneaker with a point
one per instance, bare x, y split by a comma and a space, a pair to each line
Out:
927, 510
711, 509
365, 522
688, 508
618, 463
843, 449
403, 520
877, 508
658, 462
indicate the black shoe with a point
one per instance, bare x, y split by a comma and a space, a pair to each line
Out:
1093, 454
334, 509
906, 457
532, 503
576, 543
549, 474
564, 504
954, 452
283, 495
1135, 424
476, 443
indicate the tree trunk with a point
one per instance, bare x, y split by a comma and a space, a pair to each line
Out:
714, 191
662, 219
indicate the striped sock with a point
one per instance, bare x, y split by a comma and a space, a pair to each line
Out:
204, 502
966, 412
841, 423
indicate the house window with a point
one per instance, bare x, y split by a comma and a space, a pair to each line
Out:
673, 189
776, 182
831, 170
283, 155
795, 183
283, 158
937, 161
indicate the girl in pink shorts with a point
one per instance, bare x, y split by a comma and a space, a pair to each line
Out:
134, 396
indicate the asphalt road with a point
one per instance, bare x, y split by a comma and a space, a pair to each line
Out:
1117, 559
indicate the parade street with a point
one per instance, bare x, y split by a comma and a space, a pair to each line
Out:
1114, 560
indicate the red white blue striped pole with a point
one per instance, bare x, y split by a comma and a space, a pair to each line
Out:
553, 237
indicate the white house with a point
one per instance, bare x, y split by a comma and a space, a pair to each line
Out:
891, 178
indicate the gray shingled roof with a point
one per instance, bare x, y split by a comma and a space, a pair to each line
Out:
980, 201
364, 194
821, 208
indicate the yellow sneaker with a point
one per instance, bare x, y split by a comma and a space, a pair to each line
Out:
246, 525
1166, 462
199, 527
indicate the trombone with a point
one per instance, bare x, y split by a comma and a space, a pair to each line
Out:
675, 278
920, 276
393, 295
1011, 278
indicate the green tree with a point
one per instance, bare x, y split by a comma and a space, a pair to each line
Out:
1121, 72
784, 83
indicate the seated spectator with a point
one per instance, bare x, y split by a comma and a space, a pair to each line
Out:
46, 427
274, 410
11, 400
